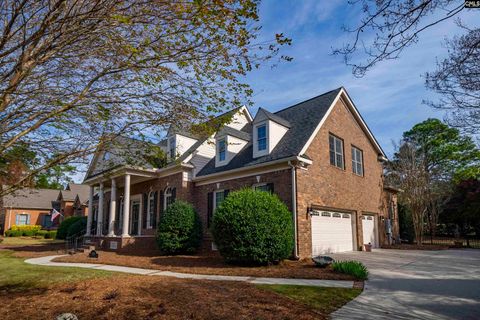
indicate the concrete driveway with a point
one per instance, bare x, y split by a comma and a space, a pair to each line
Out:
416, 285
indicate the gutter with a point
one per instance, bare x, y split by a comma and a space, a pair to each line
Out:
294, 209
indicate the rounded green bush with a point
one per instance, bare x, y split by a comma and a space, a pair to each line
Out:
62, 231
41, 233
79, 227
179, 229
253, 227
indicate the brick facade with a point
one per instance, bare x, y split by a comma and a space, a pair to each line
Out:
324, 185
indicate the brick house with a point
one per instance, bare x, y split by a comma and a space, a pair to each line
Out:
73, 201
318, 156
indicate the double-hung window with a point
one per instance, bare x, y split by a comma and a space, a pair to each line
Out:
219, 197
262, 137
336, 151
357, 161
22, 219
151, 210
222, 150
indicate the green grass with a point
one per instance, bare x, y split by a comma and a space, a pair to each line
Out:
324, 300
27, 241
18, 276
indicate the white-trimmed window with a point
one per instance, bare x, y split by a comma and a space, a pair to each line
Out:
219, 197
262, 137
168, 197
222, 150
150, 209
22, 219
267, 187
357, 161
173, 148
336, 151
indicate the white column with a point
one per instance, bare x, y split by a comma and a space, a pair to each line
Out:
100, 211
90, 213
113, 208
126, 206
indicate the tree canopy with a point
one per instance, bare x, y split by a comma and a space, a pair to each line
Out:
74, 74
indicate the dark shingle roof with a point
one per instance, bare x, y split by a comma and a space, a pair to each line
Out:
303, 118
73, 189
276, 118
29, 198
235, 133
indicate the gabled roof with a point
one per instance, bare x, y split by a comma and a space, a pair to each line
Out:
244, 135
273, 117
303, 119
73, 189
29, 198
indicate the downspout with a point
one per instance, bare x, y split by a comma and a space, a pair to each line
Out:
294, 209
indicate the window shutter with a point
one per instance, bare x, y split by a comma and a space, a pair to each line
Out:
209, 208
225, 193
145, 206
155, 204
270, 187
174, 194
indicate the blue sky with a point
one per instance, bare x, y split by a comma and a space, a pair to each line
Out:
389, 97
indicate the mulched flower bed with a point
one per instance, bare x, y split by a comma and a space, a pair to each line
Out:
211, 264
140, 297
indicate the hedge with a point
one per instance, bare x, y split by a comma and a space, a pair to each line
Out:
179, 229
26, 228
79, 227
62, 231
253, 227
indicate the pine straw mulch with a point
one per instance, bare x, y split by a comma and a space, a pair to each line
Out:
142, 297
210, 264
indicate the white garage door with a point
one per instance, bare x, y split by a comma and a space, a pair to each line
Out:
331, 232
368, 228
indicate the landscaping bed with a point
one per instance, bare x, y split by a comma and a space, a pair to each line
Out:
405, 246
210, 264
41, 292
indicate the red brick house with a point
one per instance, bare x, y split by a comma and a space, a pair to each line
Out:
318, 156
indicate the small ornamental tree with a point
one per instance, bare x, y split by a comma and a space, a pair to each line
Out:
180, 229
253, 228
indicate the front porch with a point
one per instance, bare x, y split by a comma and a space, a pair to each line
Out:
123, 209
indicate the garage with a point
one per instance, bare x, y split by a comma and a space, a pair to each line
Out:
368, 230
331, 232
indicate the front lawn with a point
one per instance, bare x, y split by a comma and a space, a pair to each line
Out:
40, 292
18, 276
27, 241
324, 300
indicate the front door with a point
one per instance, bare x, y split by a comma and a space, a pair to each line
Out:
135, 212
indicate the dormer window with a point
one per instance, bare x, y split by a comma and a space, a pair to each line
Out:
106, 156
173, 148
262, 137
222, 150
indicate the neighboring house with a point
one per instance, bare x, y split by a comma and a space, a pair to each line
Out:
73, 201
28, 207
318, 156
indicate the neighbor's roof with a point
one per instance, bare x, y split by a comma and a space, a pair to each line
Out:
73, 189
29, 198
241, 134
302, 119
275, 118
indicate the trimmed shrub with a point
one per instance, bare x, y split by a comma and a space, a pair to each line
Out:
179, 229
253, 228
33, 229
62, 231
51, 235
353, 268
78, 227
41, 233
13, 233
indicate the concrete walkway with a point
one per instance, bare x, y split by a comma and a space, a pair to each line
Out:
416, 285
47, 261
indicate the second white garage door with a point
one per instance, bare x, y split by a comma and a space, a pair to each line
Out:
331, 232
